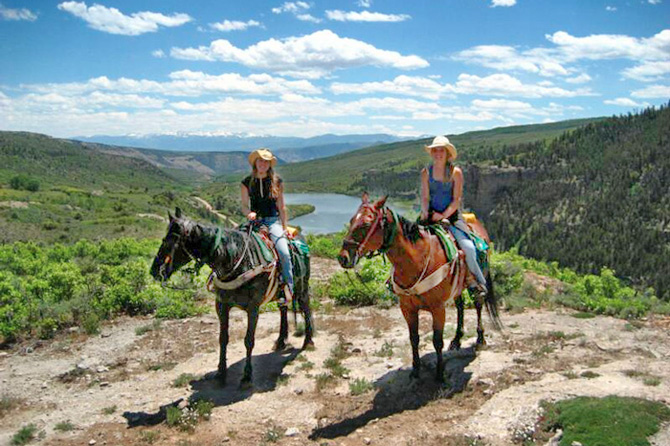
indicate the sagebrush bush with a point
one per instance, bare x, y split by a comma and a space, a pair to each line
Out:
44, 289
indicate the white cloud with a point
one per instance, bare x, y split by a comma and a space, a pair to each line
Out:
611, 46
112, 21
507, 58
292, 7
653, 91
506, 85
402, 85
655, 2
364, 3
505, 3
17, 14
308, 18
182, 83
317, 54
159, 54
648, 71
625, 102
581, 79
610, 8
233, 25
365, 16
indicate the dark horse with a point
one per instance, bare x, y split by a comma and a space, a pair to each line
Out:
228, 252
416, 254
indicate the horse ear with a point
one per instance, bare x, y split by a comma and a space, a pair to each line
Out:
380, 203
365, 198
177, 212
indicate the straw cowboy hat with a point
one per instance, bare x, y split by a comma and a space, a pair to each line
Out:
443, 141
263, 154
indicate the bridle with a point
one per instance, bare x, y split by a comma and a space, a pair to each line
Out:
378, 221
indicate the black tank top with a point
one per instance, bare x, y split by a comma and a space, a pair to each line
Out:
262, 201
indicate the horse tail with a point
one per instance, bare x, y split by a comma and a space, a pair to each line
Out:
492, 303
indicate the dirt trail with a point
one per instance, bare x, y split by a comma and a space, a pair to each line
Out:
111, 387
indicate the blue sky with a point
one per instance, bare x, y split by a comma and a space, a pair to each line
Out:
410, 68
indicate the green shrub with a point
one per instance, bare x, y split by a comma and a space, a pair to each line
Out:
24, 182
64, 426
327, 246
25, 435
360, 386
368, 287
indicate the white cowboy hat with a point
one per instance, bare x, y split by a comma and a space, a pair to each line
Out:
263, 154
443, 141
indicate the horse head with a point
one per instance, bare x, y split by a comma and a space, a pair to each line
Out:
172, 253
366, 234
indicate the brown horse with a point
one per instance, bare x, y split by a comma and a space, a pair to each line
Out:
423, 278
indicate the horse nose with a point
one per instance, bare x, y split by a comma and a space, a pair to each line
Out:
344, 259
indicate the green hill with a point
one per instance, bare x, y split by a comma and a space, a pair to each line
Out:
52, 189
393, 168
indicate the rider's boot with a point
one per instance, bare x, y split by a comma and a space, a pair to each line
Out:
286, 297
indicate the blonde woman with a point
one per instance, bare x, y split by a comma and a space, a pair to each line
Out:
441, 198
263, 202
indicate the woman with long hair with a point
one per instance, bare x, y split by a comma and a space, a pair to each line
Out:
263, 203
441, 198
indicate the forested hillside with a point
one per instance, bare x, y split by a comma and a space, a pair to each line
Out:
600, 196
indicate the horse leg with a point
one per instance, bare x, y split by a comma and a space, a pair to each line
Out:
223, 311
307, 313
412, 318
479, 302
283, 328
252, 320
456, 342
438, 341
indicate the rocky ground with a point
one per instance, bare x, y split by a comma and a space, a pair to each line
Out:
111, 387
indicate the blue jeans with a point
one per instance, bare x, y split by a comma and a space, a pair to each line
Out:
281, 243
469, 249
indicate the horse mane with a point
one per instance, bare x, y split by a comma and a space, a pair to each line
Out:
410, 230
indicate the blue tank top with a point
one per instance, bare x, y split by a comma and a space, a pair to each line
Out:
441, 193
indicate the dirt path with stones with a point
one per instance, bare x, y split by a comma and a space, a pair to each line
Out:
111, 387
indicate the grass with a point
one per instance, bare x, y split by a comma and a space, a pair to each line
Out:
360, 386
386, 350
149, 437
186, 419
647, 378
9, 403
612, 420
154, 326
162, 366
583, 315
588, 374
109, 410
273, 434
183, 380
25, 435
64, 426
324, 380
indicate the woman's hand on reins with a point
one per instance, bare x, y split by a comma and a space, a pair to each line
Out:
251, 216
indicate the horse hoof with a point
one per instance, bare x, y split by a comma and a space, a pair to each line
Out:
454, 346
280, 345
245, 383
308, 345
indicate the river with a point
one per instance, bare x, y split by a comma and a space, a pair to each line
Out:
332, 213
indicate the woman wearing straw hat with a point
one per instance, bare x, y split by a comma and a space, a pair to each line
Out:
263, 202
441, 194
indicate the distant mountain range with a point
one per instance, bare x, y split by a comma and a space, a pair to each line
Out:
294, 147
